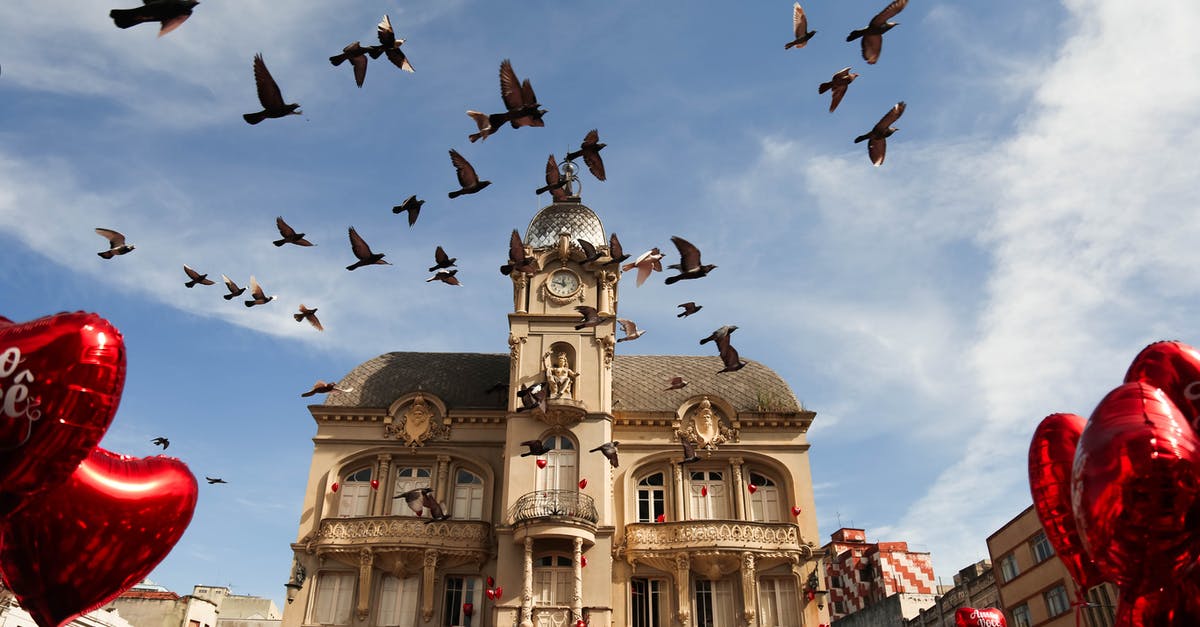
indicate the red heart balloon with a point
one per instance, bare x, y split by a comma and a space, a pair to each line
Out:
703, 490
335, 486
60, 382
374, 484
583, 561
660, 518
490, 593
796, 510
541, 463
580, 623
971, 617
490, 582
1173, 367
83, 542
1134, 484
499, 592
752, 488
1051, 458
582, 483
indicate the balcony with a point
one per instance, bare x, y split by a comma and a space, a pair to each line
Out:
402, 541
554, 514
714, 545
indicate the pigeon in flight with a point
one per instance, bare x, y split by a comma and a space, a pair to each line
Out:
487, 123
389, 45
689, 452
168, 13
536, 447
414, 499
212, 480
799, 29
689, 265
443, 260
591, 318
877, 136
357, 56
590, 253
321, 387
533, 396
872, 35
361, 250
609, 450
310, 315
615, 253
160, 441
630, 329
269, 96
590, 149
116, 243
647, 262
290, 236
555, 181
729, 355
257, 297
445, 276
517, 259
468, 181
195, 277
412, 206
689, 308
519, 99
234, 290
840, 81
719, 334
676, 383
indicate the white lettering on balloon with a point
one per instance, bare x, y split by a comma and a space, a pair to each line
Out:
15, 403
986, 618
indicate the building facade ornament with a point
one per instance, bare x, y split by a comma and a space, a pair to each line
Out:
560, 378
705, 428
416, 424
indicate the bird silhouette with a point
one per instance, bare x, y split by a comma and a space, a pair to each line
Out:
647, 262
840, 81
443, 260
321, 387
468, 181
689, 452
389, 45
630, 329
591, 318
486, 123
161, 441
590, 149
357, 56
257, 297
719, 334
536, 447
729, 356
799, 29
212, 480
518, 260
555, 181
412, 206
877, 136
361, 250
310, 315
689, 265
234, 290
168, 13
675, 383
615, 253
116, 243
269, 96
532, 397
414, 499
195, 277
689, 308
445, 276
519, 99
590, 253
609, 450
872, 35
290, 236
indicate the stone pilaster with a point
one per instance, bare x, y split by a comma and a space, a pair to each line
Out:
382, 496
739, 488
366, 559
527, 586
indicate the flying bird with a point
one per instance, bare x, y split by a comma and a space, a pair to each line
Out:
487, 123
290, 236
168, 13
212, 480
414, 499
357, 56
590, 149
532, 396
647, 262
689, 308
116, 243
269, 96
160, 441
840, 81
519, 99
719, 334
234, 290
630, 329
361, 250
412, 206
555, 181
321, 387
536, 447
609, 450
676, 383
689, 452
517, 259
615, 253
590, 253
590, 317
729, 355
310, 315
257, 297
445, 276
195, 277
799, 29
689, 265
443, 260
872, 35
389, 45
877, 136
468, 181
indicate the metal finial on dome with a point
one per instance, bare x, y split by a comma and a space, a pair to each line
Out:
569, 172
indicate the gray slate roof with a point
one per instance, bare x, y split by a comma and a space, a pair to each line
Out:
461, 380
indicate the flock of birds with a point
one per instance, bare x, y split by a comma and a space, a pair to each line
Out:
521, 109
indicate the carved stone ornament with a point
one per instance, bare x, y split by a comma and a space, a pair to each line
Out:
704, 427
416, 424
608, 342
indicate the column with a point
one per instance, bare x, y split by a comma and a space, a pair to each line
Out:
677, 472
749, 589
443, 470
366, 559
429, 575
683, 596
577, 595
520, 286
381, 496
739, 501
527, 586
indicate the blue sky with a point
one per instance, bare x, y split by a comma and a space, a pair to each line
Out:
1033, 227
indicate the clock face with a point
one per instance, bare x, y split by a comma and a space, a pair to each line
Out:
563, 283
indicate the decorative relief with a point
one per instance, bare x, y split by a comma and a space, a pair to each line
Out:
514, 347
649, 535
416, 425
467, 535
704, 427
608, 342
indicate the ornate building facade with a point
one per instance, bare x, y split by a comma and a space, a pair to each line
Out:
563, 537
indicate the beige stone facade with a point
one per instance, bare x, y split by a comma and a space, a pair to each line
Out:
563, 536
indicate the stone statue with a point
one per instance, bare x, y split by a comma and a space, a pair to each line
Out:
559, 376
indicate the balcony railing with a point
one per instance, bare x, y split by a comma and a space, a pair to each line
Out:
404, 530
567, 504
713, 534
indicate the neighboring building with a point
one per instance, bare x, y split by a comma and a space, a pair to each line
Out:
860, 574
239, 610
12, 615
725, 541
161, 608
1035, 587
974, 586
893, 611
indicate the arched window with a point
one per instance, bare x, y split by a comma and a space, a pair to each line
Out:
561, 468
764, 503
468, 496
651, 497
708, 495
553, 576
356, 493
408, 478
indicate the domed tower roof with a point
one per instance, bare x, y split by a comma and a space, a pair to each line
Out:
569, 216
